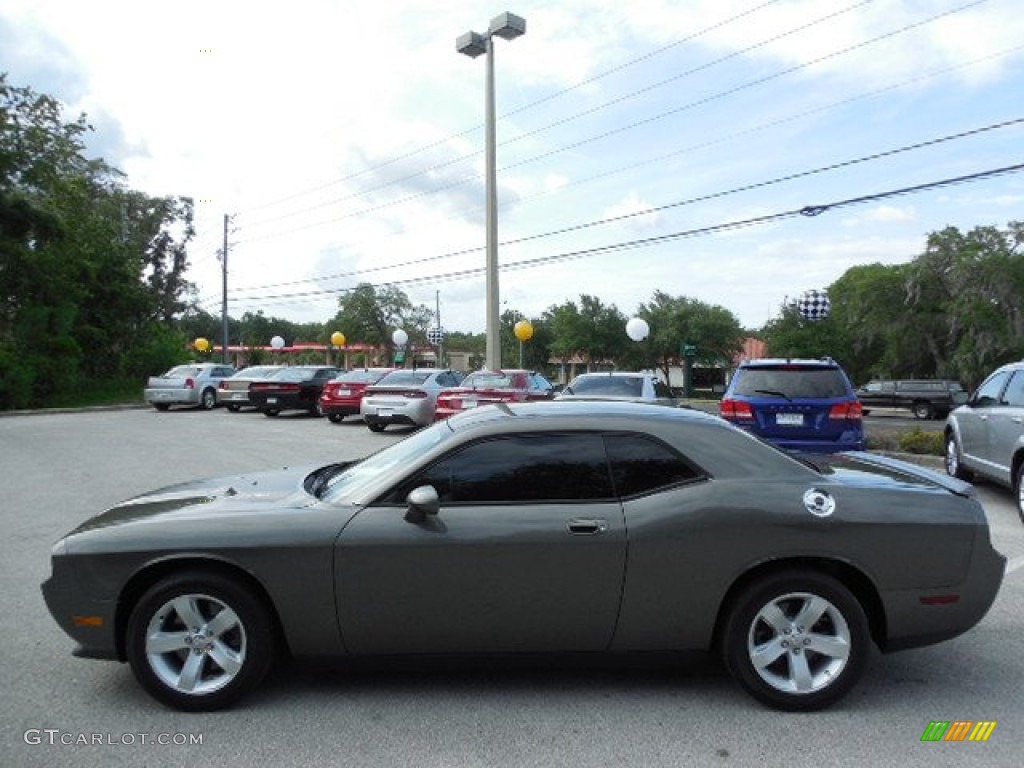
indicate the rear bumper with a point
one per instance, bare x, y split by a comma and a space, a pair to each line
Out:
920, 617
172, 396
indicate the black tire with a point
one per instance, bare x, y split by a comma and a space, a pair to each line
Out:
375, 426
1018, 487
245, 646
335, 418
208, 400
825, 658
234, 408
162, 406
954, 461
271, 412
923, 411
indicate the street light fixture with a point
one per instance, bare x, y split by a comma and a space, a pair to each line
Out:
472, 44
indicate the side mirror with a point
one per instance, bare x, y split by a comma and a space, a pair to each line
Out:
421, 502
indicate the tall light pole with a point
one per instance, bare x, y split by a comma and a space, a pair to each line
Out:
472, 44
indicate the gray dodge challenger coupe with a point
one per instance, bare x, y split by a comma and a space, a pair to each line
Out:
548, 527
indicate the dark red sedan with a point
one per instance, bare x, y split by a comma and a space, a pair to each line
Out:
485, 387
295, 388
341, 396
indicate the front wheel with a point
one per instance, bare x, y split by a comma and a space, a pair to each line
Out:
271, 412
162, 406
796, 640
954, 464
208, 400
375, 426
234, 408
336, 418
1019, 485
199, 641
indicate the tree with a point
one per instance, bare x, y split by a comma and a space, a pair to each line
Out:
370, 314
677, 320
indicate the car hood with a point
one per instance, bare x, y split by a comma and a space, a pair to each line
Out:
233, 495
862, 468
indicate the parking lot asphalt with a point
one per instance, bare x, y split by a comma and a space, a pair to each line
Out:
59, 468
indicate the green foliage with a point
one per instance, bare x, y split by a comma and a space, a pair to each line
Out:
921, 442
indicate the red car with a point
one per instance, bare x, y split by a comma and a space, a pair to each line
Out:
484, 387
341, 396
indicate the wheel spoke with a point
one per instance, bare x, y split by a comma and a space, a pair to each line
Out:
772, 615
188, 610
828, 645
812, 610
191, 671
225, 658
765, 655
224, 621
166, 642
800, 672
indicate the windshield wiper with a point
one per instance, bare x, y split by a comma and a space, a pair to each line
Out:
773, 393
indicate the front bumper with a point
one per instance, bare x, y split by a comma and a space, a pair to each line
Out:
87, 620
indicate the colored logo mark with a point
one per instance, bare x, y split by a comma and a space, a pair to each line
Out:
958, 730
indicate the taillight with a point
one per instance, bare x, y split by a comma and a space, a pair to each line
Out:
735, 410
190, 383
847, 411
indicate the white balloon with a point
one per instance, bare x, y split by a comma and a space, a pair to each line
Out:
637, 329
277, 342
400, 337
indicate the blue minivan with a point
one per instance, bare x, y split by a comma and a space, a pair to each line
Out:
799, 405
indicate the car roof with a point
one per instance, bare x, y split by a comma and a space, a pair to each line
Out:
825, 362
596, 374
580, 409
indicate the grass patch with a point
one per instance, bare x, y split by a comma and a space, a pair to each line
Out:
100, 393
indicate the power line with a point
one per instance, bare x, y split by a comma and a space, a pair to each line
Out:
805, 211
582, 142
523, 108
668, 206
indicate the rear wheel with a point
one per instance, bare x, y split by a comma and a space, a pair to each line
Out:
796, 640
923, 410
271, 411
208, 400
162, 406
199, 641
375, 426
336, 418
954, 464
234, 408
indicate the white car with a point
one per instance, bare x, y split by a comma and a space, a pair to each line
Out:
406, 397
190, 384
618, 385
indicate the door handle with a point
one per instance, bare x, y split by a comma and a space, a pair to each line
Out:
586, 527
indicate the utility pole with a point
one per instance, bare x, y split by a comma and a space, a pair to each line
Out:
440, 330
224, 295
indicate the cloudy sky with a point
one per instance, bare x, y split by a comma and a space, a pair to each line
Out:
651, 145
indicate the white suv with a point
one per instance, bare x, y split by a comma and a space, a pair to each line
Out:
985, 436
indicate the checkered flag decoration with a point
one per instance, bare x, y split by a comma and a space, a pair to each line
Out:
813, 305
435, 335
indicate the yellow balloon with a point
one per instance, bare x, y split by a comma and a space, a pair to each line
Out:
523, 330
338, 339
201, 344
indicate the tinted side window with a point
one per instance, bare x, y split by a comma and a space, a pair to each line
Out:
519, 468
640, 464
988, 393
1014, 394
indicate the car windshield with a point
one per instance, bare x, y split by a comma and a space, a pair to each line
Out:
360, 377
492, 380
182, 370
790, 381
351, 481
406, 378
256, 372
295, 374
628, 386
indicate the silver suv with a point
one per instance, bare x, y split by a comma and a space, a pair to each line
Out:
985, 436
